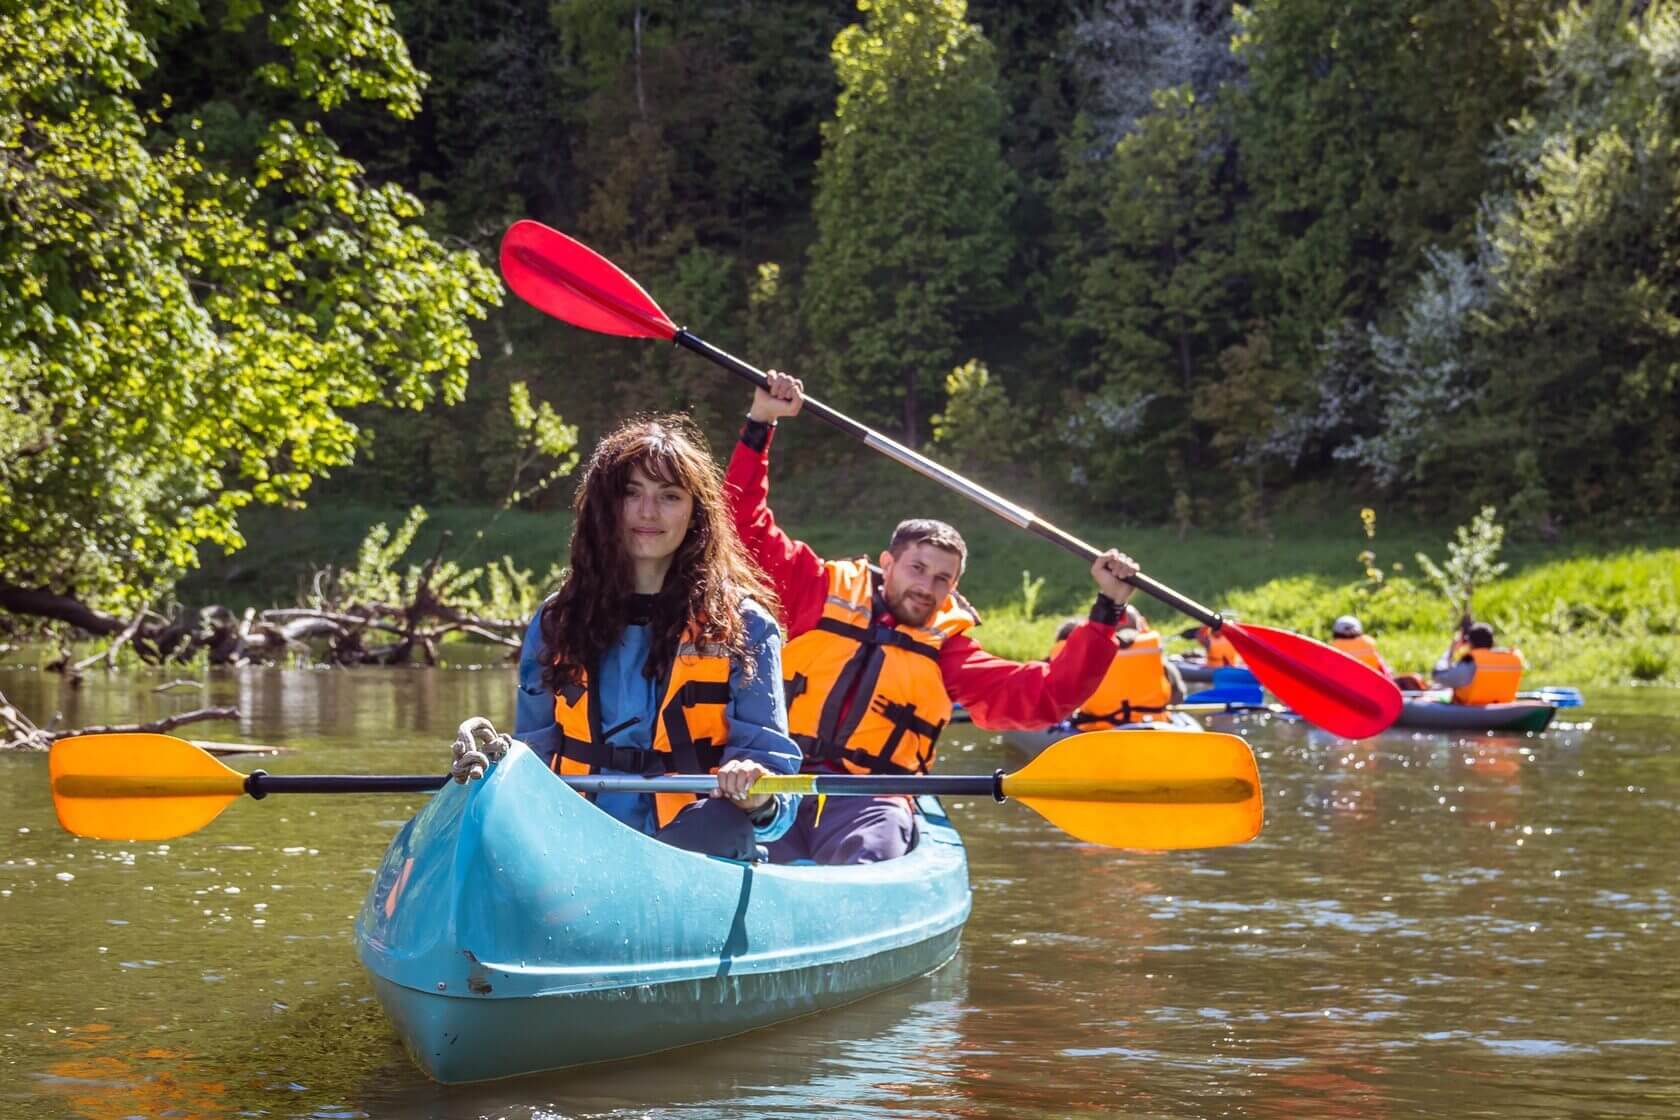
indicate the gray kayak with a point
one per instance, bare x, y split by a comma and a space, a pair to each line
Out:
1519, 715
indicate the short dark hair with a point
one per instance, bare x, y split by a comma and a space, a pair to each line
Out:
924, 530
1067, 627
1479, 635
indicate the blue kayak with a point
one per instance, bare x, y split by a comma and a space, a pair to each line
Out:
513, 927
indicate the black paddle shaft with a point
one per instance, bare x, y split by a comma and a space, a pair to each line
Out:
951, 480
260, 783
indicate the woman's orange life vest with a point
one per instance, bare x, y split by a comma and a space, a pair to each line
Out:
688, 735
1363, 648
1221, 653
867, 696
1498, 673
1134, 690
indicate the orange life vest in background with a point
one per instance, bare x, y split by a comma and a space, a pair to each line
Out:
688, 735
1361, 647
1221, 653
1498, 673
886, 678
1134, 690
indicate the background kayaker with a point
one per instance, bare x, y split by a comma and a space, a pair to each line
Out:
662, 636
1139, 684
1217, 650
875, 657
1485, 674
1347, 634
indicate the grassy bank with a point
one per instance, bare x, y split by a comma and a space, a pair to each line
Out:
1585, 611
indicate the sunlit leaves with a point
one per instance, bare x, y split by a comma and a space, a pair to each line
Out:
184, 339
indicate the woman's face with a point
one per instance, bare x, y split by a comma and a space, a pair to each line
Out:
655, 516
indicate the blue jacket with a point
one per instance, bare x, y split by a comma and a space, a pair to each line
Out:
629, 702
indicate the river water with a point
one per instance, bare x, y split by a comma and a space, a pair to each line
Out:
1427, 926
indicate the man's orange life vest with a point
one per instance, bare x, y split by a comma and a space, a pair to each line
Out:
1498, 673
1221, 653
688, 735
868, 696
1134, 690
1362, 647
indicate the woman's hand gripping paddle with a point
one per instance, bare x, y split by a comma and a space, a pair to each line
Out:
570, 281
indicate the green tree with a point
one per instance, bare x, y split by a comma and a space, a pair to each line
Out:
912, 201
1580, 342
1158, 300
1363, 127
186, 327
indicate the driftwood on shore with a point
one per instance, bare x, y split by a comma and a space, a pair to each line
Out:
329, 628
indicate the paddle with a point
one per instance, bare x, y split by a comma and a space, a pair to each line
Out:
1124, 789
570, 281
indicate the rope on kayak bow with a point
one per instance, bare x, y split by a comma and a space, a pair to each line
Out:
477, 745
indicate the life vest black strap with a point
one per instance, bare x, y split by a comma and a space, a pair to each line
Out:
795, 687
1122, 714
696, 758
692, 756
877, 636
815, 748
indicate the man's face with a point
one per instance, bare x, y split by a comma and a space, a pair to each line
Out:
917, 580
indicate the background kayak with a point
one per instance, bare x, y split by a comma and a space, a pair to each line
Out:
1032, 742
1519, 715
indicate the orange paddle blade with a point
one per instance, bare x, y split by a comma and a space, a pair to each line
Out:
137, 786
1153, 789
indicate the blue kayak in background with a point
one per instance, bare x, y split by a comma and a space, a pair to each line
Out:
513, 927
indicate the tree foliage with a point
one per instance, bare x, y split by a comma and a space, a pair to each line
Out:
911, 204
183, 330
1202, 252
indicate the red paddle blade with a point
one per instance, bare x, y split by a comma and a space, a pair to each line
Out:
1327, 687
570, 281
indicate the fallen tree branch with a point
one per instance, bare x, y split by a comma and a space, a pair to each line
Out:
167, 723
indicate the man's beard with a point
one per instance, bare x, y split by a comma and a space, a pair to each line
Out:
905, 612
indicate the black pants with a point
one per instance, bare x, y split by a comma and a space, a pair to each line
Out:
711, 826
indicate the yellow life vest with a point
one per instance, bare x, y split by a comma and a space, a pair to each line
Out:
1362, 648
688, 735
1134, 690
1498, 673
885, 679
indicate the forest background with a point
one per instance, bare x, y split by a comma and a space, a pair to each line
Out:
1178, 266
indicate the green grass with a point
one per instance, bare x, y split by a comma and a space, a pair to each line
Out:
1585, 611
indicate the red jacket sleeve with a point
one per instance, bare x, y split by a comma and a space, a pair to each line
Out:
795, 570
1004, 695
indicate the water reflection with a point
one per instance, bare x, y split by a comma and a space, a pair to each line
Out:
1428, 925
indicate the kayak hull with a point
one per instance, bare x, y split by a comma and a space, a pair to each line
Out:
1520, 715
514, 928
1034, 742
463, 1040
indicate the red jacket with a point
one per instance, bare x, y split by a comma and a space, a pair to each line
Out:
1000, 695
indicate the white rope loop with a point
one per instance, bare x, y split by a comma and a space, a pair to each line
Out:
478, 746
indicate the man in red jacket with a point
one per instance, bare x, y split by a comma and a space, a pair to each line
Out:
875, 657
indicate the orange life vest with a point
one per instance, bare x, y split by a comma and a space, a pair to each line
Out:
1221, 653
1134, 690
1361, 647
1498, 673
688, 735
886, 679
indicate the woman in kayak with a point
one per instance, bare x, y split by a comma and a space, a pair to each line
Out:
659, 653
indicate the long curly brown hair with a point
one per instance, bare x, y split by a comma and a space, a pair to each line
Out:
710, 574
